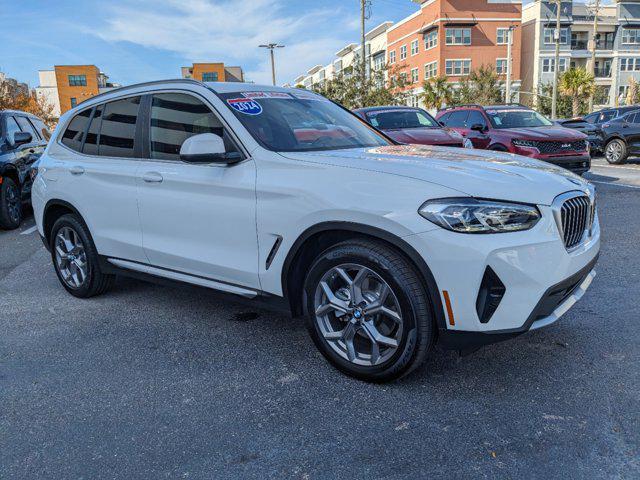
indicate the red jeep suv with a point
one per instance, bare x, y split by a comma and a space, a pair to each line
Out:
518, 129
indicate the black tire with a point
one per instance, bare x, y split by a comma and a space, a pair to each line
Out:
10, 204
619, 156
418, 327
95, 282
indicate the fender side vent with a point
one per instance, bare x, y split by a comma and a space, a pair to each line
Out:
490, 295
272, 253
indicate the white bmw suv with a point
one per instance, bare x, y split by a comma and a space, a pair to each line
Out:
282, 195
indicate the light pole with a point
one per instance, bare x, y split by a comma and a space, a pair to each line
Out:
556, 67
594, 46
272, 47
507, 89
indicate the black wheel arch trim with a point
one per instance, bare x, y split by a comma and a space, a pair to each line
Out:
10, 169
423, 269
59, 203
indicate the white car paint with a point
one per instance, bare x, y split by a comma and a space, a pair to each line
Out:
221, 222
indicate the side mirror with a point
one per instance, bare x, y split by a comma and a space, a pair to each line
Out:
478, 127
206, 148
20, 138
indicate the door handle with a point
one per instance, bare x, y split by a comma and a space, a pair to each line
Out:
76, 170
152, 177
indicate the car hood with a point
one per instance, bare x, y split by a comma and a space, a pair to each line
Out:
424, 136
478, 173
545, 133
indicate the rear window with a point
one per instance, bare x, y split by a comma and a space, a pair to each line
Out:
73, 135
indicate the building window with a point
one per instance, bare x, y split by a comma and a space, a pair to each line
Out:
415, 76
337, 66
430, 39
457, 67
548, 65
209, 76
392, 57
378, 61
630, 36
630, 64
457, 36
412, 101
403, 52
548, 36
74, 102
502, 36
501, 66
403, 78
430, 70
622, 92
414, 47
77, 80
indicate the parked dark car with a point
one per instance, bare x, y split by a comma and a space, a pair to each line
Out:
411, 125
622, 137
592, 131
519, 129
23, 138
606, 114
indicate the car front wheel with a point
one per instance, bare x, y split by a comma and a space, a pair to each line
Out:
367, 311
616, 151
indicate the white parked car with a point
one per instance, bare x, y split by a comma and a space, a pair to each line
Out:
280, 194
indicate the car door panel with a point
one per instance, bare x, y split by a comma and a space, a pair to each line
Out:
198, 219
26, 155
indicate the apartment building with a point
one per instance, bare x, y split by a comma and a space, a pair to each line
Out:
617, 45
346, 57
452, 38
66, 86
213, 72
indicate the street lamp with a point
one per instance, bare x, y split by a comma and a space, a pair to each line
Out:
271, 47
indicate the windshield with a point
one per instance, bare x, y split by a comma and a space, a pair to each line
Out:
517, 118
299, 121
390, 119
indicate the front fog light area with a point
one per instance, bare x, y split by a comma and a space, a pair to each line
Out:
470, 215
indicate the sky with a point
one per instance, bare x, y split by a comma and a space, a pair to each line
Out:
140, 40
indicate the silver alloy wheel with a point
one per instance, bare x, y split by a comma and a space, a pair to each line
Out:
614, 151
14, 204
358, 314
71, 258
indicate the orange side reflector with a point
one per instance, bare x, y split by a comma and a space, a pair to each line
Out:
447, 303
0, 180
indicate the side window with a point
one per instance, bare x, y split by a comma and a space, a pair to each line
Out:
118, 128
72, 136
457, 119
41, 128
176, 117
12, 127
591, 118
25, 126
91, 142
608, 115
636, 118
475, 118
444, 118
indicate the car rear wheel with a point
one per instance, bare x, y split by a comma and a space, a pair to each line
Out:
616, 151
10, 204
367, 311
75, 258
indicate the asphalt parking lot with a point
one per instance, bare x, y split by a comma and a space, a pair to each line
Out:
160, 382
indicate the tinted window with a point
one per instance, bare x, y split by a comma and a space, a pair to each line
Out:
91, 142
12, 127
400, 118
608, 115
25, 126
118, 128
457, 118
72, 136
475, 118
517, 118
176, 117
41, 128
591, 118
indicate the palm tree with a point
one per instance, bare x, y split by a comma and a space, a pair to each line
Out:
485, 85
578, 84
436, 91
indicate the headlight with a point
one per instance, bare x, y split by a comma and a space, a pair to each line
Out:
466, 143
468, 215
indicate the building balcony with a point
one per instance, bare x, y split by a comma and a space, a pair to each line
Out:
579, 45
602, 72
601, 45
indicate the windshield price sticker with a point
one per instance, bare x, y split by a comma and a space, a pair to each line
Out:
246, 106
266, 95
309, 96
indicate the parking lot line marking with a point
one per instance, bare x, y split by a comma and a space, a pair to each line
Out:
615, 184
29, 230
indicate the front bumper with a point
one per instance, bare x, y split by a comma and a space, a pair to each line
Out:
578, 164
542, 279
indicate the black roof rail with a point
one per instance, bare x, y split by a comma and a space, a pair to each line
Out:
144, 84
461, 105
